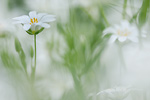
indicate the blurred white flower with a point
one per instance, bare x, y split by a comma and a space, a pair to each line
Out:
35, 21
118, 93
124, 31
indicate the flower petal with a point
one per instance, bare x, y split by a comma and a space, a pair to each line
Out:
45, 25
22, 19
122, 39
109, 30
40, 15
16, 22
26, 26
48, 18
32, 14
125, 24
113, 39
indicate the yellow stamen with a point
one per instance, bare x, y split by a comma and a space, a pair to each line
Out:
34, 20
126, 34
31, 20
123, 33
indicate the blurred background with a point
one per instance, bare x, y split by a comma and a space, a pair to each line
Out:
74, 59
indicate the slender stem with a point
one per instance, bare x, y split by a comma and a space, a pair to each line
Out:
35, 50
140, 38
34, 68
144, 95
124, 9
122, 63
102, 13
121, 55
77, 85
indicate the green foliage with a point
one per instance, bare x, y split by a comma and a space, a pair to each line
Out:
29, 32
18, 45
23, 59
83, 36
124, 9
4, 35
143, 14
21, 53
31, 52
16, 3
9, 61
37, 32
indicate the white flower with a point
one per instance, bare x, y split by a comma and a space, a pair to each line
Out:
118, 93
124, 31
35, 21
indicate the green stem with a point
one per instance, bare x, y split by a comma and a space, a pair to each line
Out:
35, 50
77, 84
34, 68
124, 9
122, 62
140, 38
102, 13
145, 95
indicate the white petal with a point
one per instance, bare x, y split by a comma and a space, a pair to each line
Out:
26, 26
48, 18
40, 15
117, 27
112, 39
32, 14
109, 30
134, 39
122, 39
16, 22
45, 25
125, 24
22, 19
39, 23
100, 93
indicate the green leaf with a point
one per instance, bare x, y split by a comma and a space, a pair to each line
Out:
60, 28
143, 12
9, 61
23, 59
29, 32
21, 53
17, 45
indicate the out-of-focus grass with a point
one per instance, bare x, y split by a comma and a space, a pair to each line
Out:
83, 36
84, 40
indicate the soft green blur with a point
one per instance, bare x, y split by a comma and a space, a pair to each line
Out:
70, 63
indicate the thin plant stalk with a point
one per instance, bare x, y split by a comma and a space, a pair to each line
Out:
34, 68
78, 86
102, 13
140, 39
122, 62
145, 95
124, 9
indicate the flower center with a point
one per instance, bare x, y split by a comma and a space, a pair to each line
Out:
34, 20
123, 32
